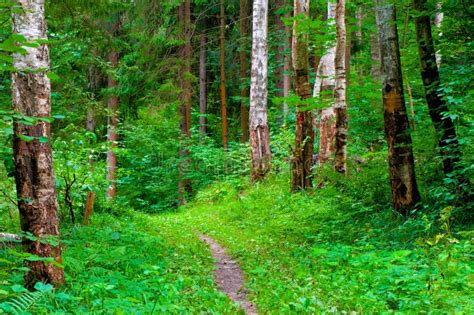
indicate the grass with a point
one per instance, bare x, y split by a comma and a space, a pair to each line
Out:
307, 253
321, 251
131, 265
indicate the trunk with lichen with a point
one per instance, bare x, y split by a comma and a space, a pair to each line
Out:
259, 131
400, 154
35, 183
302, 159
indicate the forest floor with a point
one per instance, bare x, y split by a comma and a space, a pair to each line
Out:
298, 253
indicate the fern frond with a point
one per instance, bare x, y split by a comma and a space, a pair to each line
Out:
26, 301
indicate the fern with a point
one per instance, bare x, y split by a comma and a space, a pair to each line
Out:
26, 301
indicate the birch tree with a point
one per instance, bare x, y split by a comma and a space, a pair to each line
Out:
259, 131
340, 90
325, 82
35, 183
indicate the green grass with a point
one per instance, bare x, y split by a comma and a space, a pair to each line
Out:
321, 251
131, 265
324, 252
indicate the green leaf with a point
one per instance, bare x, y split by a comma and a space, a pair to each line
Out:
25, 138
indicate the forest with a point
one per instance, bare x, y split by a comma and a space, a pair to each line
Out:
236, 156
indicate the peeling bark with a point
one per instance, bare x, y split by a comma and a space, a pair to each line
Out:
325, 81
302, 158
35, 183
112, 136
401, 162
259, 131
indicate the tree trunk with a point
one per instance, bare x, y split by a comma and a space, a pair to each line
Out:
259, 131
35, 183
89, 207
325, 82
112, 123
439, 17
202, 85
244, 90
184, 16
340, 90
304, 134
438, 109
287, 67
375, 57
280, 58
112, 136
223, 89
401, 162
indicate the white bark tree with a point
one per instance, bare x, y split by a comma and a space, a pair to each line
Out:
35, 183
259, 131
325, 76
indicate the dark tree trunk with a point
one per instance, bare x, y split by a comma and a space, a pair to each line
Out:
244, 65
280, 57
304, 134
202, 86
112, 136
184, 184
438, 109
340, 105
35, 183
401, 162
223, 89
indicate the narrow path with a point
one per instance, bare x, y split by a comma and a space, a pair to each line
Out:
229, 276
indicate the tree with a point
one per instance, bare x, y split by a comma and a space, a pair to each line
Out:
302, 159
184, 15
259, 131
400, 154
112, 123
202, 85
244, 90
437, 107
325, 82
340, 90
35, 183
223, 88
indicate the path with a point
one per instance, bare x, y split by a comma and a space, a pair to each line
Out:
229, 276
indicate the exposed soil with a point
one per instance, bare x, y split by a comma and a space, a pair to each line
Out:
228, 276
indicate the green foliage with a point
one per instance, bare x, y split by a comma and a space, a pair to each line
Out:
327, 251
127, 265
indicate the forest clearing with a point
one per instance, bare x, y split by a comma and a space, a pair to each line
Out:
236, 157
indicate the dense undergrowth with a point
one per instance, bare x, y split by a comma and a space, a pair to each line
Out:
127, 265
324, 251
